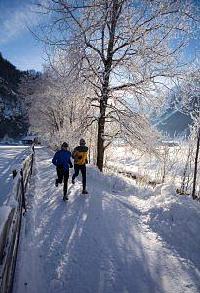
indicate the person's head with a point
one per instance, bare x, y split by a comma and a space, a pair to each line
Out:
82, 141
64, 146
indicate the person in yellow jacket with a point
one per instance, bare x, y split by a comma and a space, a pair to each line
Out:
80, 156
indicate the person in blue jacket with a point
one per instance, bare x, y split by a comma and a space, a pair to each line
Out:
62, 161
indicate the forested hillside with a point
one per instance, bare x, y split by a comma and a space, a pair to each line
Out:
13, 117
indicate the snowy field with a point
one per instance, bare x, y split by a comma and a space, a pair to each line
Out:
118, 239
151, 168
10, 158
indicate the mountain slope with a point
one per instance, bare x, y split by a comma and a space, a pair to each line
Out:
13, 116
184, 102
173, 123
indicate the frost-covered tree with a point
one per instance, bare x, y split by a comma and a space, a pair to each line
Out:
57, 108
189, 102
124, 50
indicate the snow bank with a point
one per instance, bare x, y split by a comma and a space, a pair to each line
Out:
10, 160
4, 213
12, 200
115, 183
16, 165
176, 219
149, 168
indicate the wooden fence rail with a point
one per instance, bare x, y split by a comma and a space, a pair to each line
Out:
9, 236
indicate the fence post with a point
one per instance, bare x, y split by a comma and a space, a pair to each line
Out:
14, 172
32, 157
23, 190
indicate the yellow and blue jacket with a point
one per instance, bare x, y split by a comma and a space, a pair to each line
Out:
80, 155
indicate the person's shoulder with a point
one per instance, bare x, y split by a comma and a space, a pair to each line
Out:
76, 148
83, 148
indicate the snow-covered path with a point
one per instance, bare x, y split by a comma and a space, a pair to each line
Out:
99, 243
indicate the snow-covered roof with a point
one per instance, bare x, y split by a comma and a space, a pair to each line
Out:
29, 137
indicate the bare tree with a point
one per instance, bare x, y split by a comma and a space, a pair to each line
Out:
124, 50
194, 196
186, 171
57, 109
189, 102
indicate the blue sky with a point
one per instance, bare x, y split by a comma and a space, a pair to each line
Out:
19, 46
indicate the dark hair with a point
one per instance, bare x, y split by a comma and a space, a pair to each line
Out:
82, 141
64, 145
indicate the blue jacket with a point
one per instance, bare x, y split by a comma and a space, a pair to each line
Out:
62, 158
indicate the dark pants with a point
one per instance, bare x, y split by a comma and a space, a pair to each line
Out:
81, 168
62, 174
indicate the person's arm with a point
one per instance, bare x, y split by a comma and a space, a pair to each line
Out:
86, 160
74, 153
54, 160
70, 162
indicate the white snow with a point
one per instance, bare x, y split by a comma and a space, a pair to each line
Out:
11, 158
119, 238
149, 167
4, 213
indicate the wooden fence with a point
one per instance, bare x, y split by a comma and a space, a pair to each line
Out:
9, 237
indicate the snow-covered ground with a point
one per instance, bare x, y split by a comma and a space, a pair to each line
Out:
10, 158
169, 162
119, 238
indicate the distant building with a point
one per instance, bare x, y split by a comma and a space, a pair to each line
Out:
30, 139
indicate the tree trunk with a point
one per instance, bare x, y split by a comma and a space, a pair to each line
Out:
196, 166
116, 6
183, 190
100, 140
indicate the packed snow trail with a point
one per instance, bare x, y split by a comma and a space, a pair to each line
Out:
97, 243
